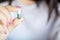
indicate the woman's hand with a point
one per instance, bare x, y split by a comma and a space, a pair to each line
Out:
7, 25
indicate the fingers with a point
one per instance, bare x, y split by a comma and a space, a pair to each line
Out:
2, 37
14, 23
5, 12
3, 19
6, 16
3, 24
3, 31
7, 9
12, 8
18, 21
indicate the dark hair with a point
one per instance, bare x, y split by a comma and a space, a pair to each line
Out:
52, 4
2, 1
10, 1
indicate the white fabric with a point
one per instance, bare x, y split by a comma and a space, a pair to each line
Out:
35, 25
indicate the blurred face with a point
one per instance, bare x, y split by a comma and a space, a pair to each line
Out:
28, 2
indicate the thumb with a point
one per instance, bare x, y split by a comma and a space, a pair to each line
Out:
18, 21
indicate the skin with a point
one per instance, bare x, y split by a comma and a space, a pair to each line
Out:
26, 2
5, 16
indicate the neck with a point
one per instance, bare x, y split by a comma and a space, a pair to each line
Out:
26, 2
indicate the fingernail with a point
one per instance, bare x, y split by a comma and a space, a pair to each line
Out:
5, 32
9, 21
18, 6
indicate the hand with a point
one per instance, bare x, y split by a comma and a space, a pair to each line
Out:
4, 17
